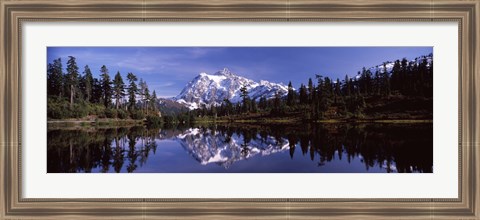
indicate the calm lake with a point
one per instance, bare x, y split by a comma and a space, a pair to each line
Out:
222, 148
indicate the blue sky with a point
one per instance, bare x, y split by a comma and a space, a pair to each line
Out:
168, 69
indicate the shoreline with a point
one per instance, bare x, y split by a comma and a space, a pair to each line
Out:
73, 123
132, 122
288, 121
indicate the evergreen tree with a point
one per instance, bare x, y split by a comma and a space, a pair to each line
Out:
277, 103
143, 87
72, 78
228, 107
426, 78
303, 94
245, 98
328, 87
353, 86
357, 84
213, 111
310, 90
118, 89
362, 81
262, 103
132, 90
337, 89
146, 98
153, 101
290, 95
55, 78
368, 82
377, 83
106, 87
396, 81
254, 106
386, 80
348, 86
97, 92
88, 82
405, 81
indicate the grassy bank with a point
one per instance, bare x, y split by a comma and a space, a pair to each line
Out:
104, 122
210, 120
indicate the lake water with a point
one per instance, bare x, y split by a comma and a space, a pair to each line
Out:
305, 148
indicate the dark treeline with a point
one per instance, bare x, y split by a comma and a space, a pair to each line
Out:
392, 147
104, 149
405, 85
72, 94
404, 92
395, 147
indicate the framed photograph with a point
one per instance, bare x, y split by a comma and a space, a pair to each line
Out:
234, 109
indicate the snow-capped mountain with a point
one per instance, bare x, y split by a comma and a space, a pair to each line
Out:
208, 146
389, 65
212, 89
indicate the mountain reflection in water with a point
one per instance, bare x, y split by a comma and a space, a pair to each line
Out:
308, 148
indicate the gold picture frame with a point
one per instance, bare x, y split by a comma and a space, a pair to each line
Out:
464, 12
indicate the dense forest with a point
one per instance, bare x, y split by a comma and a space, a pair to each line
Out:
404, 92
75, 95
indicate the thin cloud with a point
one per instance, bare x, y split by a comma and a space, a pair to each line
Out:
198, 52
163, 85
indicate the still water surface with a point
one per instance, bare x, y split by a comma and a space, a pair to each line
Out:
306, 148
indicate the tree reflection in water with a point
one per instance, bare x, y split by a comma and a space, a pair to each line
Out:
391, 147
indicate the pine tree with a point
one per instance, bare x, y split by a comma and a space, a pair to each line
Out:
386, 80
362, 81
310, 90
377, 83
118, 89
262, 103
405, 82
143, 87
97, 91
213, 111
254, 106
395, 79
277, 103
228, 107
244, 95
337, 89
290, 95
146, 98
348, 87
303, 94
106, 87
320, 88
72, 78
153, 101
88, 81
368, 82
55, 78
132, 90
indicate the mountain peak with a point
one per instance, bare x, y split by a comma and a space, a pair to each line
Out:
212, 89
224, 72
